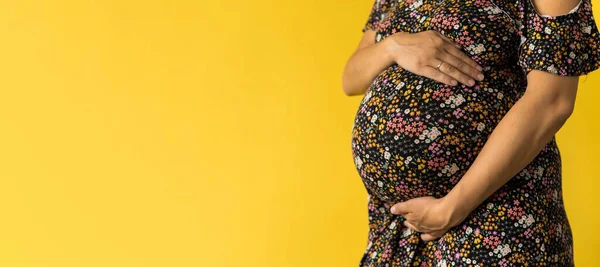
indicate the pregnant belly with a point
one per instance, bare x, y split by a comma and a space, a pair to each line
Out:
413, 136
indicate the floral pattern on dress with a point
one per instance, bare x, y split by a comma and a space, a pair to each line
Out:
413, 136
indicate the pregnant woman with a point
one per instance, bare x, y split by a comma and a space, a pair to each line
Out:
454, 138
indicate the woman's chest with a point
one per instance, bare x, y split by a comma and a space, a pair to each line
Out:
417, 15
485, 29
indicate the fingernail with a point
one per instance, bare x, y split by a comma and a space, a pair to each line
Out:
480, 76
479, 68
393, 209
454, 82
471, 82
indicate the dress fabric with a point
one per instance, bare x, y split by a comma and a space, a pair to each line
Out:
413, 136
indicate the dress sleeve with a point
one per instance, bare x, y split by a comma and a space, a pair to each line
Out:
567, 44
378, 13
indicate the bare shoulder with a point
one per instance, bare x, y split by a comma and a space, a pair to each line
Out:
554, 7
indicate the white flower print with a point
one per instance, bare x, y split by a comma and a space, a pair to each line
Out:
434, 133
476, 49
367, 96
493, 9
358, 162
529, 220
416, 4
480, 126
450, 169
505, 250
459, 99
400, 85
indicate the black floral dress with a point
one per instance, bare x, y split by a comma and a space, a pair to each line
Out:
413, 136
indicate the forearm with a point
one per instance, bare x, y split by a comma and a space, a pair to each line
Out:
363, 66
521, 134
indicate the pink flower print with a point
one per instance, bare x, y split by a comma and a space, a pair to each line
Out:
437, 163
459, 113
528, 233
435, 148
449, 22
537, 25
414, 128
491, 241
387, 253
515, 213
442, 94
395, 125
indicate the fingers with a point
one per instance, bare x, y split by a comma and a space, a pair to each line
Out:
439, 76
456, 63
431, 236
425, 234
430, 48
449, 41
401, 208
460, 60
410, 225
455, 66
457, 69
417, 229
456, 51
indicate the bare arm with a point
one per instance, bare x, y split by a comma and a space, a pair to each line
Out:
365, 64
521, 134
527, 127
524, 130
418, 53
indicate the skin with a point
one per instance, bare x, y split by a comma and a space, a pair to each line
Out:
418, 52
514, 143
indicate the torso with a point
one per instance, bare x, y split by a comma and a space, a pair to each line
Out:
413, 136
416, 136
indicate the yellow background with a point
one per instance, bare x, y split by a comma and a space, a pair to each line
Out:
201, 133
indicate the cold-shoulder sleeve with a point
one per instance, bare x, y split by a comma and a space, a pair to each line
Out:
567, 44
378, 13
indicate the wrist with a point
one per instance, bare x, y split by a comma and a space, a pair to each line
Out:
391, 46
456, 210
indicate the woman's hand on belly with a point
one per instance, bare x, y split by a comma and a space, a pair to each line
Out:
422, 52
428, 215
